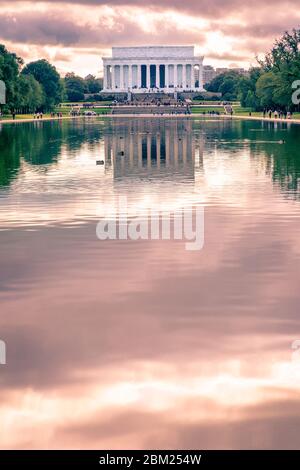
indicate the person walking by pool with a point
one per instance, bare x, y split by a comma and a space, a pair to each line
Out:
270, 114
275, 114
264, 113
14, 115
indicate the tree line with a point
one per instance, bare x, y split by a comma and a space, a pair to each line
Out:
269, 85
38, 86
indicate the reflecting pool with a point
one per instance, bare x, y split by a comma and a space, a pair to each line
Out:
142, 344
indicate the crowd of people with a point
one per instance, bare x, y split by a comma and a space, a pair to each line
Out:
58, 115
277, 114
211, 113
38, 116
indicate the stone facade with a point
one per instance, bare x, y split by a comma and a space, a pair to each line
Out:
152, 69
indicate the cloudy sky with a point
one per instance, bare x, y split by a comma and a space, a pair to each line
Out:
75, 34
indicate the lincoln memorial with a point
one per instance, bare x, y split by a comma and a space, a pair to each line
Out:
151, 69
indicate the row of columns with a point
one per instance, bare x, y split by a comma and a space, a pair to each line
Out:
175, 83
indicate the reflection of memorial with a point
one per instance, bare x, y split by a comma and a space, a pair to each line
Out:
149, 148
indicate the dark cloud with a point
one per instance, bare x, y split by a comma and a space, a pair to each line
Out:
53, 29
36, 28
258, 29
255, 24
199, 7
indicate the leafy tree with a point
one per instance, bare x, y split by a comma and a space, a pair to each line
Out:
10, 65
284, 52
47, 75
247, 89
250, 101
31, 94
226, 83
93, 85
265, 88
283, 63
75, 87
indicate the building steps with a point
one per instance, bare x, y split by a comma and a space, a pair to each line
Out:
150, 110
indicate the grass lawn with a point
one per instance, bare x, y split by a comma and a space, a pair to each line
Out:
65, 112
245, 112
7, 117
237, 111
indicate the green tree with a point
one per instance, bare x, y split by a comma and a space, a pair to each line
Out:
265, 88
75, 87
93, 84
247, 89
284, 52
226, 83
250, 100
283, 63
31, 93
10, 65
47, 75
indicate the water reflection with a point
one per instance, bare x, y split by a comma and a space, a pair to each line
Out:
41, 144
142, 344
145, 148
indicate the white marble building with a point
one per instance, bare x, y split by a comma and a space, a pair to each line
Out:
152, 68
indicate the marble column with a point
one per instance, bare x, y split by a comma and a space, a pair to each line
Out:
139, 76
184, 75
157, 76
166, 76
121, 77
175, 76
130, 76
200, 76
113, 85
192, 76
148, 75
105, 77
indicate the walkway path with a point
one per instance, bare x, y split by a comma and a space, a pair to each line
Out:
186, 116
